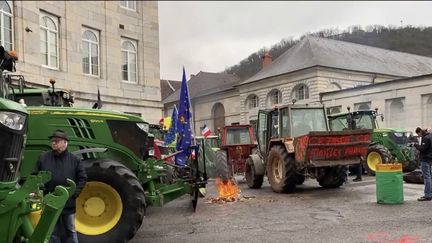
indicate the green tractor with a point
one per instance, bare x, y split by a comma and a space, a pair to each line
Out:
18, 202
123, 177
388, 144
117, 150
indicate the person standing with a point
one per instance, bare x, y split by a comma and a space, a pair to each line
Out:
425, 149
359, 172
62, 164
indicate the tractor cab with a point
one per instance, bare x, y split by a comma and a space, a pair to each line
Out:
362, 119
237, 143
388, 144
288, 121
29, 96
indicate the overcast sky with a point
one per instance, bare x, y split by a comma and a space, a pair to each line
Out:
210, 36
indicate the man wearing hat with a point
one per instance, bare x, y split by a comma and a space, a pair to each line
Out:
425, 149
62, 164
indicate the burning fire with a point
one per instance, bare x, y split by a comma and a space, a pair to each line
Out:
228, 190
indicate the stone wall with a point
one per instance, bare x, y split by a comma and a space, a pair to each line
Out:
414, 93
113, 23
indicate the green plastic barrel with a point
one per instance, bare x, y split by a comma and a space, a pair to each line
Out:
389, 184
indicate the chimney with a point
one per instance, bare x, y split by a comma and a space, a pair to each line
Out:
266, 60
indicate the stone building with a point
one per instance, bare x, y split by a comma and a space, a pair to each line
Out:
112, 46
317, 65
405, 103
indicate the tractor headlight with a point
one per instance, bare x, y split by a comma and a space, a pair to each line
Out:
144, 126
12, 120
398, 134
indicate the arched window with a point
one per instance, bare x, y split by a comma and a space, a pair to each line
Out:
129, 61
253, 101
334, 110
362, 106
6, 26
301, 92
397, 115
90, 52
49, 40
274, 97
333, 87
218, 113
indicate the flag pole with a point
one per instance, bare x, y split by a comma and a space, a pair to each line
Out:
190, 108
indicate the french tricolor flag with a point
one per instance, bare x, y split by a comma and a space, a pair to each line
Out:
206, 131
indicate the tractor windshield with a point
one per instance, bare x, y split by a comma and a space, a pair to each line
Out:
237, 136
361, 121
130, 135
399, 138
306, 120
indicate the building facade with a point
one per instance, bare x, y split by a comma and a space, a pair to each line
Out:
404, 103
335, 73
86, 46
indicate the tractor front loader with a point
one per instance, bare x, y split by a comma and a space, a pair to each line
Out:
19, 201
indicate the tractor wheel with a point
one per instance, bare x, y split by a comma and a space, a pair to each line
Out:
377, 154
111, 206
300, 179
222, 168
414, 163
252, 180
281, 170
333, 177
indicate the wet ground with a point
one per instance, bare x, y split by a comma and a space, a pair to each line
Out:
311, 214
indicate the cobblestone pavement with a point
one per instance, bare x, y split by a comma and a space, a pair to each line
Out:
311, 214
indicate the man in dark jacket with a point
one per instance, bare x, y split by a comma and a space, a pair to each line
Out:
62, 164
425, 149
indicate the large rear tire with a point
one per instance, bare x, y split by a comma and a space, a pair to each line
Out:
300, 179
111, 207
377, 154
281, 170
333, 177
414, 163
253, 181
222, 168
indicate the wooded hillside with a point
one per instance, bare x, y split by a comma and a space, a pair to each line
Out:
415, 40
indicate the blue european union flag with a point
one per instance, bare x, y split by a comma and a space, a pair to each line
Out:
183, 124
171, 134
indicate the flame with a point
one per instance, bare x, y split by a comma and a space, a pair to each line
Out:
227, 190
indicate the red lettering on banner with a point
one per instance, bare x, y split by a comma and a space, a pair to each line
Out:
325, 153
339, 139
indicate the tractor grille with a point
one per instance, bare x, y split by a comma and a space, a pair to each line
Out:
11, 146
81, 128
86, 156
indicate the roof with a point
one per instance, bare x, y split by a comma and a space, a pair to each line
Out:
367, 86
205, 83
314, 51
168, 87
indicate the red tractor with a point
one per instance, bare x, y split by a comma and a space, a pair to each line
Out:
237, 143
